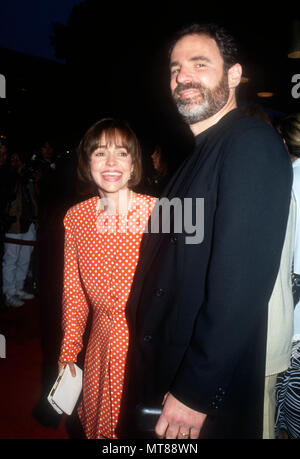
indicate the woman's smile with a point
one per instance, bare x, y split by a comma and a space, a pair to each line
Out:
112, 176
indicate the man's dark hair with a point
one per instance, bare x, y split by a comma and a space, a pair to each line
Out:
225, 42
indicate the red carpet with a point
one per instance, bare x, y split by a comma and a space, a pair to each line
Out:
21, 374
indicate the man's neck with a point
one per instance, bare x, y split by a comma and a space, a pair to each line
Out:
202, 126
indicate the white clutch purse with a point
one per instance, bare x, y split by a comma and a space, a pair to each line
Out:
66, 390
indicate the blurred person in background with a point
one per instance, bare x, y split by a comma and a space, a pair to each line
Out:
160, 177
281, 307
4, 193
47, 180
20, 234
287, 423
157, 173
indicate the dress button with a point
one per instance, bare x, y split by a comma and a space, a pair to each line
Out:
159, 292
147, 338
173, 239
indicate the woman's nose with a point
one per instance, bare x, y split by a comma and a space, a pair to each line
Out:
110, 160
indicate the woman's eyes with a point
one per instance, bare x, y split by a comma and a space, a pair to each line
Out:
122, 153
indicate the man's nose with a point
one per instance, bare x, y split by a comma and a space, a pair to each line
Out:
184, 76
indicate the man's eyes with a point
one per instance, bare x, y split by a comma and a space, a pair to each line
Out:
197, 65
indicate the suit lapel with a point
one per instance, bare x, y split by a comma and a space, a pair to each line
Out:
177, 187
151, 242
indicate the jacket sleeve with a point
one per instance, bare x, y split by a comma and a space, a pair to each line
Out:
249, 228
75, 305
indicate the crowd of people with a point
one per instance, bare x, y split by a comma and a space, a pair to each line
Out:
206, 335
27, 182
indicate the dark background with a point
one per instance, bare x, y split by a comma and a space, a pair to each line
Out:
102, 58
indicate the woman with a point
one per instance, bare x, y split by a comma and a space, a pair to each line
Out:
288, 383
102, 238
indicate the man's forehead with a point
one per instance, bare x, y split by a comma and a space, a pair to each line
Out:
196, 44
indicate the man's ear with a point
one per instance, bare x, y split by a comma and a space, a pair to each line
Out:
234, 75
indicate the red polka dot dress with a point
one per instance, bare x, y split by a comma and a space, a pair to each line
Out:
101, 254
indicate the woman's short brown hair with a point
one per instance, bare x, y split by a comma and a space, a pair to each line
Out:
114, 130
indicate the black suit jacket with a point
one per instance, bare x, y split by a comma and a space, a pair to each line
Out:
197, 313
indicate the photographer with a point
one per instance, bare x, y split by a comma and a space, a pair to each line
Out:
20, 232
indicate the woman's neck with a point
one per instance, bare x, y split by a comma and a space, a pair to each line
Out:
116, 203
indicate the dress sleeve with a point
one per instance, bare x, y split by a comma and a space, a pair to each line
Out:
75, 304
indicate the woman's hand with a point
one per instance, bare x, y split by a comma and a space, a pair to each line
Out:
61, 365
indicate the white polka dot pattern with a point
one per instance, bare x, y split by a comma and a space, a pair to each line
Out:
98, 271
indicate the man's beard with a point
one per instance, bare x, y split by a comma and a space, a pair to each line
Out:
208, 103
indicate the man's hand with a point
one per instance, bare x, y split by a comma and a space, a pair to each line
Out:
178, 420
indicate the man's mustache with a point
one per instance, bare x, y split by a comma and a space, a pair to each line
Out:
183, 87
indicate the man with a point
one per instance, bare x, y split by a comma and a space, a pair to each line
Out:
198, 312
